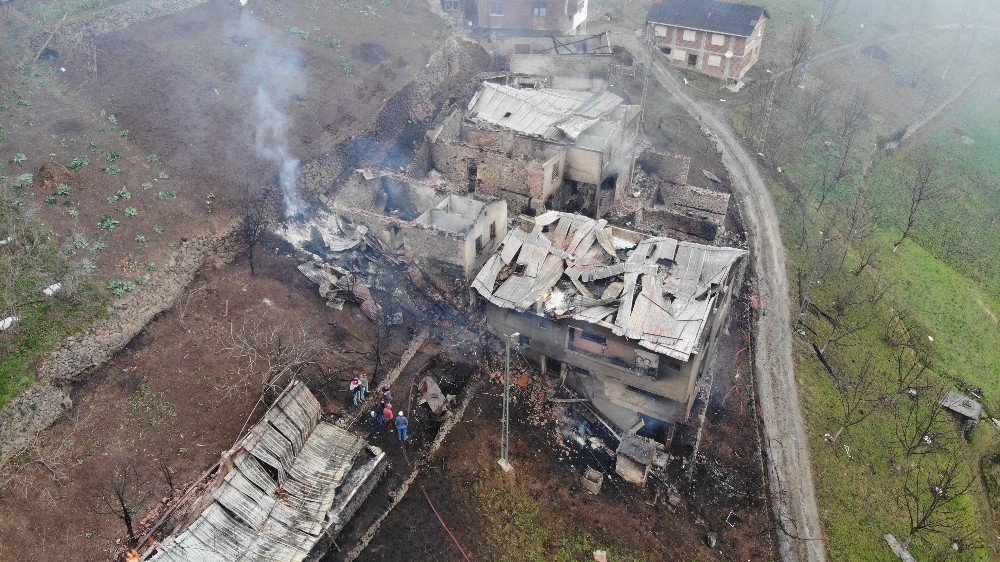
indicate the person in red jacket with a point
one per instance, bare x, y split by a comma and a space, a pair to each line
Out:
387, 414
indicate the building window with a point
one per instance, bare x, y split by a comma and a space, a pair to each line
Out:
496, 8
540, 10
493, 230
479, 246
665, 50
690, 35
718, 40
555, 171
523, 340
680, 55
660, 31
600, 340
451, 5
714, 60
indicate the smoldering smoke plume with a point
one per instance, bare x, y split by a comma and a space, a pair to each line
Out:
275, 76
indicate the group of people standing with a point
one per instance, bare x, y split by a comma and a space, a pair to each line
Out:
383, 412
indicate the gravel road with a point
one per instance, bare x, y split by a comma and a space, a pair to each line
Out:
786, 445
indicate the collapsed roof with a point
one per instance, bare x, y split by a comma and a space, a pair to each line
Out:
708, 15
548, 113
275, 503
656, 291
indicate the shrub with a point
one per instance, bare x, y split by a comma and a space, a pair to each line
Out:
153, 158
50, 199
112, 170
24, 181
114, 157
140, 238
79, 162
63, 189
120, 288
19, 157
147, 185
108, 223
131, 211
167, 195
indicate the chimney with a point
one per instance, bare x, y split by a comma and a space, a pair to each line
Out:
526, 223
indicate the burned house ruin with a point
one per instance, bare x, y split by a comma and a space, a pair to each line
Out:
540, 149
626, 318
444, 232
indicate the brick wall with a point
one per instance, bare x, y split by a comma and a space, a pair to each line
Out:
520, 15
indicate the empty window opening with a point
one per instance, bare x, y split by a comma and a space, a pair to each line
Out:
540, 10
493, 230
451, 5
479, 245
665, 50
506, 115
496, 8
692, 60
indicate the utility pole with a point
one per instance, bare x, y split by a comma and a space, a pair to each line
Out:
504, 461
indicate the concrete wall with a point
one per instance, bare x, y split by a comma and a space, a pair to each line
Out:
427, 243
572, 72
603, 374
519, 16
550, 339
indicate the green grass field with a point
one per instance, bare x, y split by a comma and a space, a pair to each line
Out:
944, 281
35, 262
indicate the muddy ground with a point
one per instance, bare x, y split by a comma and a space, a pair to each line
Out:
176, 398
540, 511
169, 109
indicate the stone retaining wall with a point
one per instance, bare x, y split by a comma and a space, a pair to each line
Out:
41, 404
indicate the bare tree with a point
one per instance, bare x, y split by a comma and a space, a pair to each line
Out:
860, 391
850, 311
859, 230
923, 188
830, 9
932, 494
919, 420
123, 498
271, 352
255, 221
811, 111
848, 124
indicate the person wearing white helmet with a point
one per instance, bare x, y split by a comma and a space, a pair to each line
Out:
402, 426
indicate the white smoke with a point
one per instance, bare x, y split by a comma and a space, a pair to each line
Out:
275, 72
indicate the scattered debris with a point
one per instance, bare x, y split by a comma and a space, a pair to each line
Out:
6, 241
592, 480
600, 556
711, 540
52, 289
8, 323
635, 455
711, 176
899, 549
430, 393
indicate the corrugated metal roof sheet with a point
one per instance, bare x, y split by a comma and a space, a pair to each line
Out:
547, 113
661, 295
274, 503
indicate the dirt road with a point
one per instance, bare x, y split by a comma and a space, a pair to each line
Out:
786, 446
